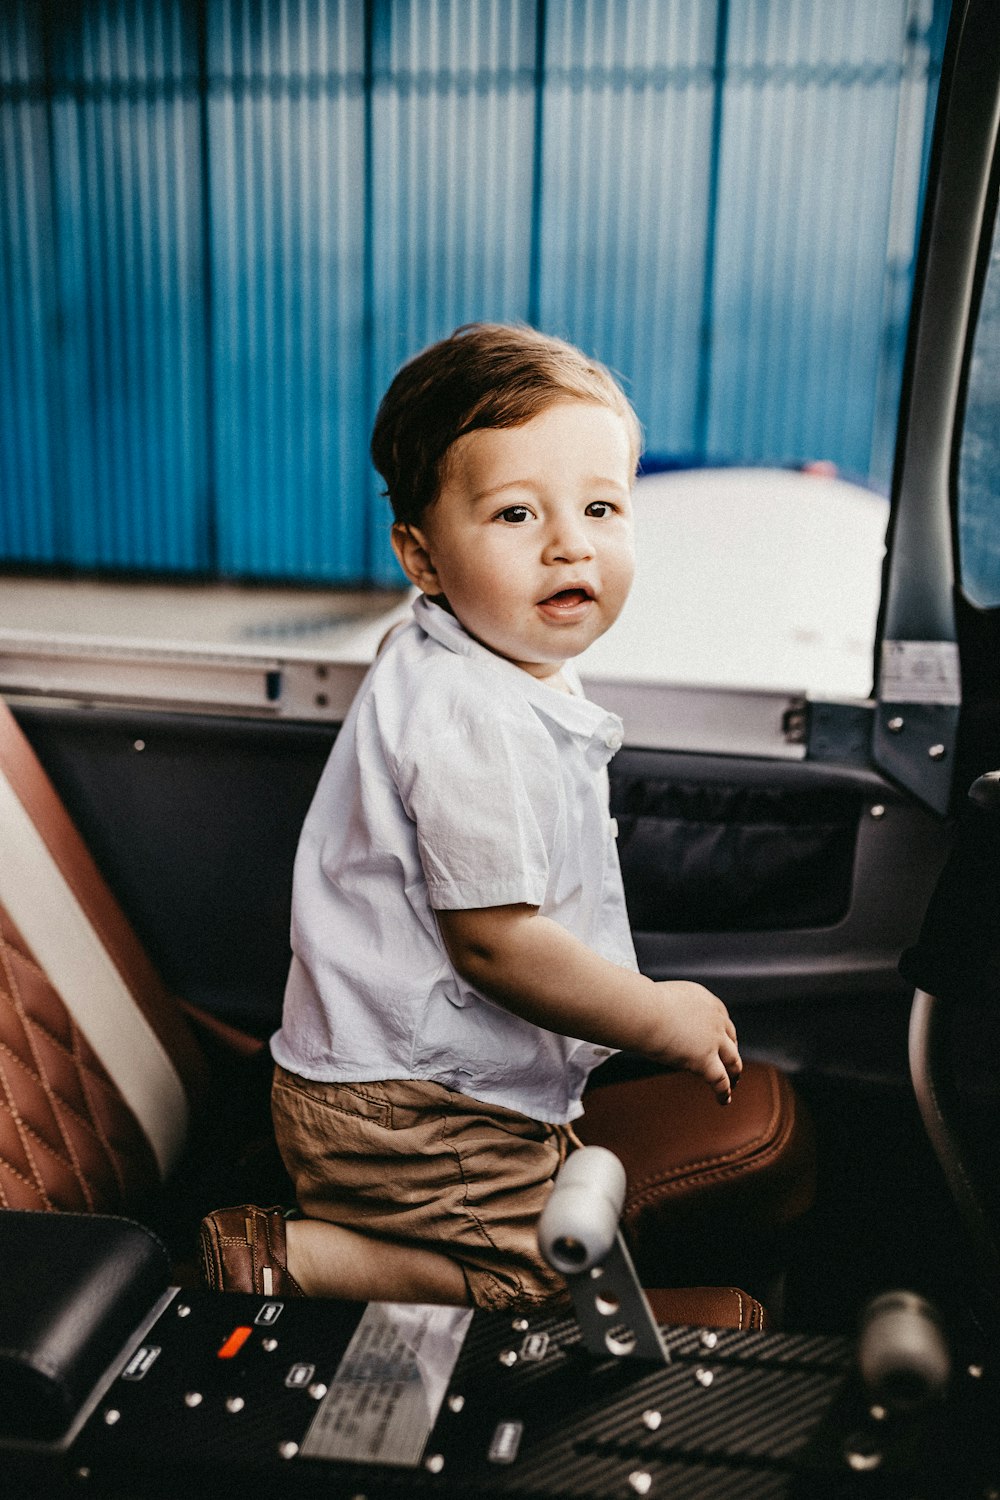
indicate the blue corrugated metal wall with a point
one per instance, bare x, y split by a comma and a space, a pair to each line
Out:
222, 227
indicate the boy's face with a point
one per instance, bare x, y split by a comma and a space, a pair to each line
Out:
530, 538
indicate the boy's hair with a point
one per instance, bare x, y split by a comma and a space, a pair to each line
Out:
482, 375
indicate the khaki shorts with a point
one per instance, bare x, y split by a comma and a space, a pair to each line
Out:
422, 1165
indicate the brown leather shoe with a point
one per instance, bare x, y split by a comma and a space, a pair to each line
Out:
243, 1250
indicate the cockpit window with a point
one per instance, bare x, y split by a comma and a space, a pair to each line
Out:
979, 458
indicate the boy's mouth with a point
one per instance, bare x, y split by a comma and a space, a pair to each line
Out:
567, 598
566, 602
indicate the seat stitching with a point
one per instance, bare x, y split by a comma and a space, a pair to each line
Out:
89, 1125
19, 1124
86, 1069
746, 1149
41, 1026
99, 1131
48, 1148
8, 1165
29, 960
94, 1075
666, 1187
22, 1013
763, 1149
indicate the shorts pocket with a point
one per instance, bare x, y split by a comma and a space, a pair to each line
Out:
366, 1101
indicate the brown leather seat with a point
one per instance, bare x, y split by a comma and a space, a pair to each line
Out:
700, 1174
707, 1307
102, 1073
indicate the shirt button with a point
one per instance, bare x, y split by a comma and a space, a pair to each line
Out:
613, 739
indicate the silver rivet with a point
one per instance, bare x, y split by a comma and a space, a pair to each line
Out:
704, 1377
288, 1450
269, 1344
317, 1390
520, 1325
640, 1481
709, 1338
435, 1463
456, 1403
976, 1371
193, 1398
652, 1419
139, 745
877, 1413
862, 1463
235, 1404
111, 1416
937, 752
83, 1472
894, 725
877, 810
183, 1311
508, 1357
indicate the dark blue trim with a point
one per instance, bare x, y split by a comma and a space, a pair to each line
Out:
207, 520
373, 521
704, 392
537, 168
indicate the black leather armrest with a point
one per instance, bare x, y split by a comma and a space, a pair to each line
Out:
72, 1289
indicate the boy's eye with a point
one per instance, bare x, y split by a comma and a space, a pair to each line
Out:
600, 508
515, 513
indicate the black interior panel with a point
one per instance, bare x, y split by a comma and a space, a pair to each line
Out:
194, 823
727, 856
767, 880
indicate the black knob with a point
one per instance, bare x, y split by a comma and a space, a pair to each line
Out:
985, 791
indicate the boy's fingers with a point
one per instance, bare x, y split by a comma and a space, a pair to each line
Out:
717, 1076
729, 1052
731, 1061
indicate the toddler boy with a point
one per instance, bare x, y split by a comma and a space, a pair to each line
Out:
462, 954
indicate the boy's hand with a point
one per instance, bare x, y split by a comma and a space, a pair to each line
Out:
696, 1033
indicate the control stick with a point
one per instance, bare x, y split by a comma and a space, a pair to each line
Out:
579, 1236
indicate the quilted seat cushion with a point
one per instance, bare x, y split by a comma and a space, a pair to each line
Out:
67, 1139
99, 1071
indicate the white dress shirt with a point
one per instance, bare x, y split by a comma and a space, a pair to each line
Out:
457, 781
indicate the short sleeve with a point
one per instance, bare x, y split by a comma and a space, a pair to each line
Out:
484, 793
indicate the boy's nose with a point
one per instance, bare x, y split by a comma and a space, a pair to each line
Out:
568, 542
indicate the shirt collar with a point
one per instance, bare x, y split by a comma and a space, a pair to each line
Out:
602, 731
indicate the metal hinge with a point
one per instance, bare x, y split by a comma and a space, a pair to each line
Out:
795, 722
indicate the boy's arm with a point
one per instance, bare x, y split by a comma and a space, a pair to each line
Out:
538, 970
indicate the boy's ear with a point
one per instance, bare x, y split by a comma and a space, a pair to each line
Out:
413, 555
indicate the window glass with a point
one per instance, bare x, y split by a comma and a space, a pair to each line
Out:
979, 460
218, 240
